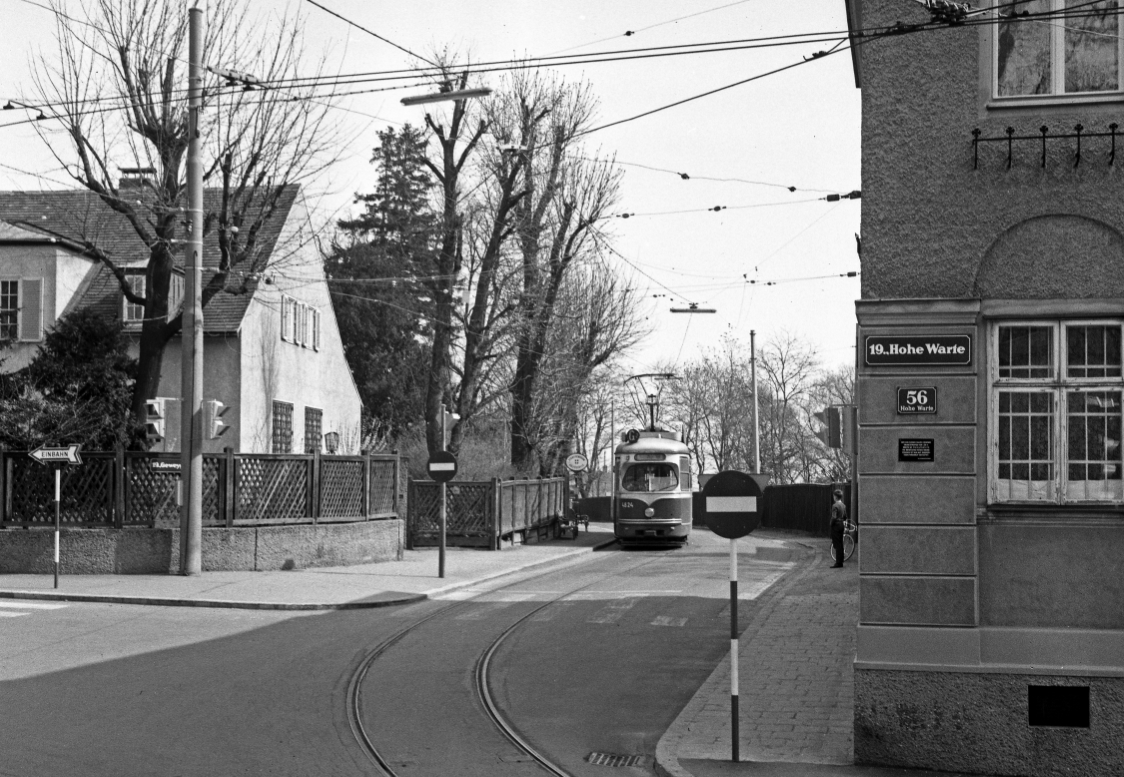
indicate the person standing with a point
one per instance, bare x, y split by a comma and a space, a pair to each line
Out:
838, 524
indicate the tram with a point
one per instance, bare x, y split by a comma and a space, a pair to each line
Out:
651, 488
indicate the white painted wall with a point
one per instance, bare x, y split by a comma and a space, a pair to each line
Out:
273, 369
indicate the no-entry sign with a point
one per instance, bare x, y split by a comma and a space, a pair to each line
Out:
732, 501
442, 466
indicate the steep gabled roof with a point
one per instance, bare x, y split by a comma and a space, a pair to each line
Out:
76, 217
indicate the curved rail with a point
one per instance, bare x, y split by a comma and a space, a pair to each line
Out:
354, 689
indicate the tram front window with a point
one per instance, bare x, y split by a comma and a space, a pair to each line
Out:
650, 477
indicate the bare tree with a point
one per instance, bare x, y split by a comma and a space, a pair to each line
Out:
790, 369
456, 142
117, 86
565, 196
596, 319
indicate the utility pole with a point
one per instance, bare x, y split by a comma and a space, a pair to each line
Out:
753, 388
191, 333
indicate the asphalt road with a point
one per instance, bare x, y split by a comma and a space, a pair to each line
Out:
622, 643
602, 659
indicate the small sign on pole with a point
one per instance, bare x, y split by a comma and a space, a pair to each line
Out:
732, 500
442, 467
57, 458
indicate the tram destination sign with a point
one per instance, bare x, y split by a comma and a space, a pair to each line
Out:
901, 350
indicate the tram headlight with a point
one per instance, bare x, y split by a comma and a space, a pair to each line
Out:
649, 512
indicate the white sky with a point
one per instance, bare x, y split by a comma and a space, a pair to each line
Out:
796, 128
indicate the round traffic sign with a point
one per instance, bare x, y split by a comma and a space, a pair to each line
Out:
731, 501
442, 466
576, 462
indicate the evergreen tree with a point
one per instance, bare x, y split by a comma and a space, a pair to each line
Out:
77, 389
379, 277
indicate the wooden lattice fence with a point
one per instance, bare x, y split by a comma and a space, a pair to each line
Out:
142, 489
484, 513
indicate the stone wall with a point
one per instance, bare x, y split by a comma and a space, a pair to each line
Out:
156, 551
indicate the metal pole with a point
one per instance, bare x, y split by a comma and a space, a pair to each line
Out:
191, 333
734, 728
441, 542
753, 386
58, 520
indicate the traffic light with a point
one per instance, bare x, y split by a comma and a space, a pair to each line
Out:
212, 418
154, 420
832, 433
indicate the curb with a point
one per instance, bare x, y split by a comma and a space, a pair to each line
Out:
389, 598
156, 601
560, 560
667, 749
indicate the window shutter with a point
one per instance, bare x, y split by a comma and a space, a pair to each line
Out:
285, 318
316, 330
31, 309
305, 323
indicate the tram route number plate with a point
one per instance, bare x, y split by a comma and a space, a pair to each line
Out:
915, 450
917, 399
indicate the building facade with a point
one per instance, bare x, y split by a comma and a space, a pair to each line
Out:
990, 387
272, 352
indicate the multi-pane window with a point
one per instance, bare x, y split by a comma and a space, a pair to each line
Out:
1057, 47
282, 427
1058, 400
300, 323
134, 312
313, 429
21, 309
9, 309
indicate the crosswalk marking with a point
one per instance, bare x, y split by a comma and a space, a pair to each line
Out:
668, 620
14, 609
613, 612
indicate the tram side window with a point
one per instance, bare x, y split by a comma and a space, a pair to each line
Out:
650, 477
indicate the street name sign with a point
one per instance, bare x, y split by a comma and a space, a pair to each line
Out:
71, 454
442, 466
731, 503
905, 350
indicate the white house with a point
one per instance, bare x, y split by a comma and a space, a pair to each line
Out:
272, 351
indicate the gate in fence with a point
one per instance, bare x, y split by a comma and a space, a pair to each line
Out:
141, 489
482, 514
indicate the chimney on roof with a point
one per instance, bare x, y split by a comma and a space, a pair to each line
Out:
136, 176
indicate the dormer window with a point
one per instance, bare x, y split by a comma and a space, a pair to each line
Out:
1060, 48
133, 313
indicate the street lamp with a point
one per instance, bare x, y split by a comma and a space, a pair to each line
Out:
693, 307
460, 94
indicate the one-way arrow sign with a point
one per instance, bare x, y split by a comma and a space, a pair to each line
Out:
68, 455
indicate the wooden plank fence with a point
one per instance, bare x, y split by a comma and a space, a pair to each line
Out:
483, 514
126, 488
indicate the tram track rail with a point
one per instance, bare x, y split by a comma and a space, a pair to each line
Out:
481, 669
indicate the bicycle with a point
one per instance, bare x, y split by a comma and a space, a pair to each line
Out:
850, 540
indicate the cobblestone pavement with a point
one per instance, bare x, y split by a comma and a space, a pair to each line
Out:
796, 683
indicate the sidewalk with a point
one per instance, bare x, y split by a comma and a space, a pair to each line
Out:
795, 689
325, 588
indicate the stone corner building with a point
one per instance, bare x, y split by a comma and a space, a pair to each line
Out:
990, 382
